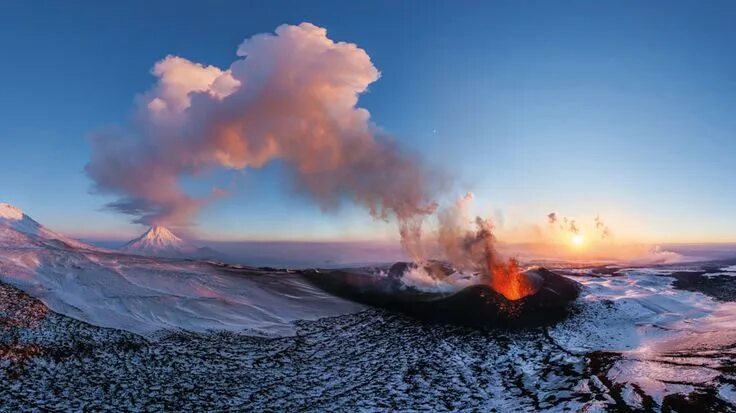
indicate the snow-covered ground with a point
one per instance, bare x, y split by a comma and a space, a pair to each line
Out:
368, 361
145, 295
669, 340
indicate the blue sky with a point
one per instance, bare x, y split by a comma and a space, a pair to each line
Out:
623, 109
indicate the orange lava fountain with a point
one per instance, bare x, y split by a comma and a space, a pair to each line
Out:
508, 280
505, 276
474, 250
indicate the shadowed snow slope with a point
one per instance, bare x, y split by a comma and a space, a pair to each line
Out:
144, 294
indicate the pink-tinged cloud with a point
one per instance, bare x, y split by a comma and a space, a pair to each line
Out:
291, 96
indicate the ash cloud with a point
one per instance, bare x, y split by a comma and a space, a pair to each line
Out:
290, 96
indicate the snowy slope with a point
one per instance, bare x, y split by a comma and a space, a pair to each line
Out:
146, 294
19, 229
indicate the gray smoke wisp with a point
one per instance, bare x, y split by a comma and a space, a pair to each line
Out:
569, 225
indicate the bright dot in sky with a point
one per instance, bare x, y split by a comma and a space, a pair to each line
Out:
577, 240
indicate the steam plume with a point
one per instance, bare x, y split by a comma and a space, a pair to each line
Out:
291, 96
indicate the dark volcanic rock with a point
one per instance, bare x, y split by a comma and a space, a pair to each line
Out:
397, 270
370, 361
477, 305
720, 287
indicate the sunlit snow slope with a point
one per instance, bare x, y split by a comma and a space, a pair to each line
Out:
144, 294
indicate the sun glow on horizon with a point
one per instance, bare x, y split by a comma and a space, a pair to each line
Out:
577, 240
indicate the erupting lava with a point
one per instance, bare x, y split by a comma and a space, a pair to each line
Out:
508, 280
505, 277
475, 251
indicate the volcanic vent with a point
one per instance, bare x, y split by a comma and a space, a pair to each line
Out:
475, 304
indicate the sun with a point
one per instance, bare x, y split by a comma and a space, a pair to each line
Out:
577, 240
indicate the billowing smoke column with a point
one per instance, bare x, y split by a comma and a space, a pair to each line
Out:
291, 97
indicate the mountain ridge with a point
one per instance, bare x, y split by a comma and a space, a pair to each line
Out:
16, 226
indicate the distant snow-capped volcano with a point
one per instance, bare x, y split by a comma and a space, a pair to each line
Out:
159, 241
156, 240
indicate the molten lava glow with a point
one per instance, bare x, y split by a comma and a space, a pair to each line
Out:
508, 280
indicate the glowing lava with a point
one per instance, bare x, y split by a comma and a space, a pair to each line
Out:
508, 279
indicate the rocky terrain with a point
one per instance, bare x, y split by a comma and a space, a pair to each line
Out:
371, 361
